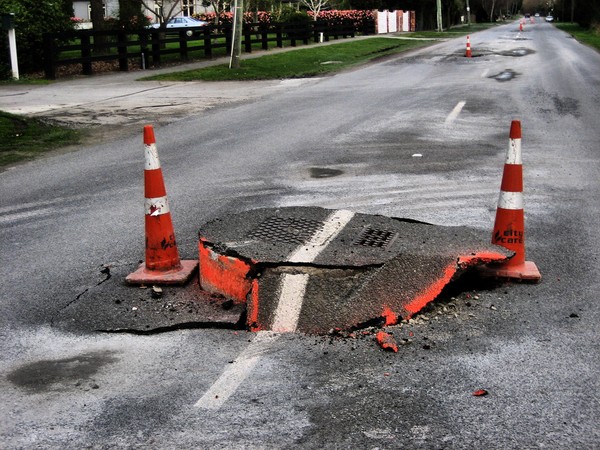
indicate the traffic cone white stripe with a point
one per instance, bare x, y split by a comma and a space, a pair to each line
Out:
156, 206
151, 157
513, 156
510, 200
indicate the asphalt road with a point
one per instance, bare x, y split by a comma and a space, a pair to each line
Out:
533, 348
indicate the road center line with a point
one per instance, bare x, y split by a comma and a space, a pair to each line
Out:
292, 290
455, 112
317, 243
236, 372
293, 286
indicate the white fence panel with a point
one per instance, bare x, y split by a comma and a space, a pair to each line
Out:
392, 22
382, 22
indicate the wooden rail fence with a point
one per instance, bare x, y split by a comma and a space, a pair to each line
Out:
149, 47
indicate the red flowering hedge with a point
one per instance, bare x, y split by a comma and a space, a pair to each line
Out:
227, 17
358, 17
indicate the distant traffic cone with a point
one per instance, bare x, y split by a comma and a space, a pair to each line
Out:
468, 53
162, 265
520, 26
509, 228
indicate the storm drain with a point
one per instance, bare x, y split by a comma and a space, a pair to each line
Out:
290, 230
372, 237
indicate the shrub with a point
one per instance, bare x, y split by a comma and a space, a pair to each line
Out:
32, 19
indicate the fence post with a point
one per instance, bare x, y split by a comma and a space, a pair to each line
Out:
183, 50
156, 47
207, 41
122, 51
279, 31
247, 31
86, 54
228, 38
49, 56
264, 36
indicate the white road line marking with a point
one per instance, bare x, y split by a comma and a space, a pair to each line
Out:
291, 297
293, 287
236, 372
331, 227
484, 73
455, 112
28, 215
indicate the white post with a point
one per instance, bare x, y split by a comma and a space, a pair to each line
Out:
236, 41
8, 24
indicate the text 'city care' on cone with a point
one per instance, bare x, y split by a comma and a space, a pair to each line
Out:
509, 227
162, 265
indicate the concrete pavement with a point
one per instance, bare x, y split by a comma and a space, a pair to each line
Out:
108, 102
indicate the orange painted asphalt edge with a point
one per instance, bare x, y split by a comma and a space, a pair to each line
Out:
431, 292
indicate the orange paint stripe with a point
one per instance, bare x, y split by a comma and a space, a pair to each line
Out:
154, 186
149, 135
515, 129
432, 291
512, 179
224, 275
253, 308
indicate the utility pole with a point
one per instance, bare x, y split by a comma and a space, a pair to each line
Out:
468, 14
439, 16
236, 42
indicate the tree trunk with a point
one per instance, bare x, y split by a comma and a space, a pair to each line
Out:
97, 16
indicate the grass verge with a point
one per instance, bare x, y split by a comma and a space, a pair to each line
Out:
305, 62
23, 139
586, 36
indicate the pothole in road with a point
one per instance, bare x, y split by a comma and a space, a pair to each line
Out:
505, 75
517, 52
324, 172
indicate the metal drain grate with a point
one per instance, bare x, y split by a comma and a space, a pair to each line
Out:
371, 237
291, 230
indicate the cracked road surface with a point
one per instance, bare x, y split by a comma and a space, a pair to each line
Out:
422, 136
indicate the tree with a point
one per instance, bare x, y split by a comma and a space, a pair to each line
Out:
315, 6
130, 14
163, 10
33, 18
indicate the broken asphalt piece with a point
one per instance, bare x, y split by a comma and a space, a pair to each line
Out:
311, 270
114, 306
386, 341
480, 393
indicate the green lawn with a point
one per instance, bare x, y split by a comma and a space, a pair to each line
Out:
22, 138
304, 62
588, 37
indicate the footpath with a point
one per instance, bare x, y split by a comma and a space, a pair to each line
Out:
120, 100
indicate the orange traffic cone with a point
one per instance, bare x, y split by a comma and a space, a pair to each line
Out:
509, 228
468, 53
520, 26
162, 265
